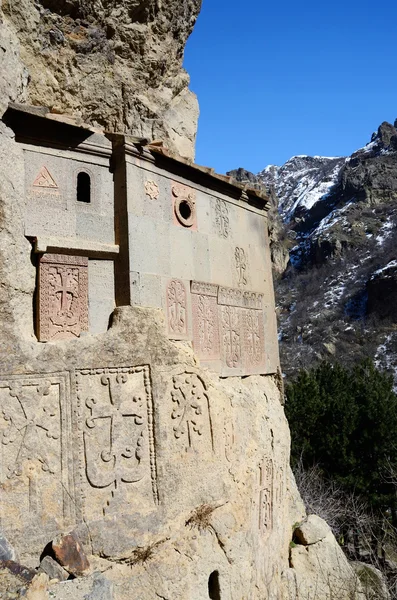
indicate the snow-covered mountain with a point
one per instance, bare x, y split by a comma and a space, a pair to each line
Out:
334, 246
301, 182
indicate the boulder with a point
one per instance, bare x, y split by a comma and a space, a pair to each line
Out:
70, 554
312, 530
54, 570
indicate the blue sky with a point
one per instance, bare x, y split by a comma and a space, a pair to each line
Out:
279, 78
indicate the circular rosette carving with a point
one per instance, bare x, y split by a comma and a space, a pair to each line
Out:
184, 206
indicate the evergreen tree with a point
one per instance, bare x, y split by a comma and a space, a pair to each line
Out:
345, 420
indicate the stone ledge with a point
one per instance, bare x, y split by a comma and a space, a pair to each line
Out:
49, 244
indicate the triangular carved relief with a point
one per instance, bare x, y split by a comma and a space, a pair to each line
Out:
45, 180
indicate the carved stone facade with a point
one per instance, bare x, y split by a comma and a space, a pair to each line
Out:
117, 458
62, 297
36, 474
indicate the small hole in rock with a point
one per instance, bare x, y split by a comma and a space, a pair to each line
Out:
214, 591
83, 187
185, 210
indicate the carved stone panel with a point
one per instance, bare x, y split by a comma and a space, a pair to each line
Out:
36, 471
231, 337
177, 307
241, 264
205, 326
222, 218
253, 330
117, 461
266, 496
191, 413
44, 184
63, 297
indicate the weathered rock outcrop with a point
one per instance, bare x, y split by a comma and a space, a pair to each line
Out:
117, 65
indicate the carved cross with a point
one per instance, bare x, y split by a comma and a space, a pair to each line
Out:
123, 442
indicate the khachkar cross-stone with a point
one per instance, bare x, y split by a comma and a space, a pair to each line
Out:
118, 428
35, 485
63, 296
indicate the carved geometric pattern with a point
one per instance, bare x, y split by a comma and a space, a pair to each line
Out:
191, 412
222, 218
44, 179
118, 453
177, 307
152, 190
208, 289
63, 297
241, 266
266, 496
234, 297
231, 336
205, 326
35, 437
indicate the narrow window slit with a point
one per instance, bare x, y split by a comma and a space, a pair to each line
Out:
83, 187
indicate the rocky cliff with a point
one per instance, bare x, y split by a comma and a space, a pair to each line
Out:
117, 65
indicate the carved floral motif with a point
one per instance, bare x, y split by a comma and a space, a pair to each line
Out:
222, 218
191, 411
152, 190
176, 305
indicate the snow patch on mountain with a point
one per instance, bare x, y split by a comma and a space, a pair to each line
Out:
302, 182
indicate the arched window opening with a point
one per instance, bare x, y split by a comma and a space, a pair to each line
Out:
214, 591
83, 187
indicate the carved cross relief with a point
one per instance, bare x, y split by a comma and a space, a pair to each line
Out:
266, 496
177, 307
63, 296
34, 436
118, 437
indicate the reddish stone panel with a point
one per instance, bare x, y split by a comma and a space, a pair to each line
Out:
231, 335
205, 326
63, 297
254, 346
177, 307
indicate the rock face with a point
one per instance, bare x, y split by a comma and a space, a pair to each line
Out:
117, 65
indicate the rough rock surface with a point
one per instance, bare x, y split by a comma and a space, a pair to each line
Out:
118, 65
